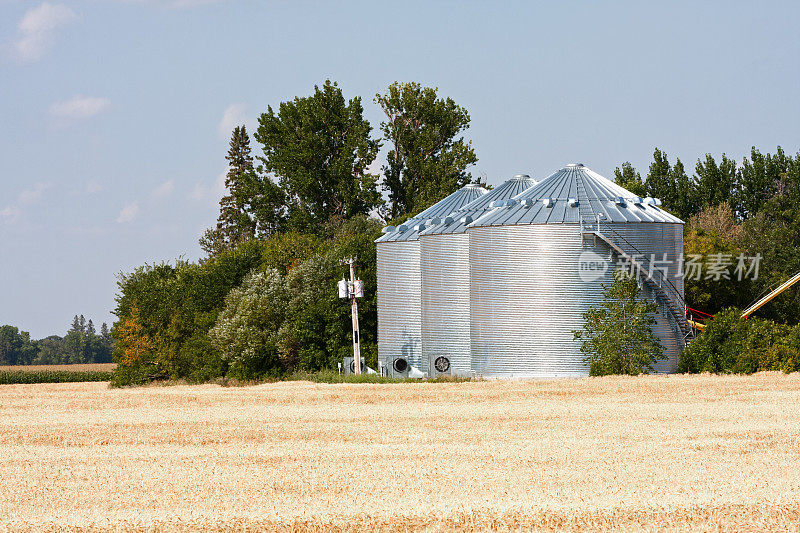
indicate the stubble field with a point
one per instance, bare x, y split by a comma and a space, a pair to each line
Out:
648, 453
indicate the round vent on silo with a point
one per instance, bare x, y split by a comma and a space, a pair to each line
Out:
441, 364
353, 366
400, 365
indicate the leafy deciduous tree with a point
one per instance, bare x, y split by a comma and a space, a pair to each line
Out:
716, 183
629, 179
617, 337
428, 156
319, 147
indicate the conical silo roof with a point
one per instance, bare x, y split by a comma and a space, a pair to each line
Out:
457, 222
409, 230
574, 194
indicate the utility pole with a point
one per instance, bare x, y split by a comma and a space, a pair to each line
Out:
353, 289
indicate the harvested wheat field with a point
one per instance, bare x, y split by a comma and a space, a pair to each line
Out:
646, 453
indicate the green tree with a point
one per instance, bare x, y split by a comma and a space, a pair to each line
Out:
671, 185
248, 330
15, 346
50, 351
235, 223
617, 336
760, 178
319, 147
684, 203
629, 179
712, 293
318, 326
731, 344
716, 183
659, 182
428, 156
107, 344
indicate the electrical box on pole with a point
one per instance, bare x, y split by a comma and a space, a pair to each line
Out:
344, 291
354, 288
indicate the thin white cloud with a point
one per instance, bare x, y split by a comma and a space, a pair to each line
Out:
27, 197
163, 191
233, 116
213, 191
93, 187
375, 166
199, 191
128, 213
88, 231
79, 107
37, 30
219, 183
10, 213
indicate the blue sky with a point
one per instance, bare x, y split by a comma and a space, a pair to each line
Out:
114, 115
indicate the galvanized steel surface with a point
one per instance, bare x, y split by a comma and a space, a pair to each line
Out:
410, 229
527, 297
456, 222
400, 282
399, 305
502, 295
445, 279
594, 194
445, 300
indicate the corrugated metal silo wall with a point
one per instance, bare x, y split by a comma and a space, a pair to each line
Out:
445, 300
399, 309
527, 297
659, 239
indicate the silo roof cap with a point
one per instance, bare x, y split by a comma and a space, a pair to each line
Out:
497, 197
576, 194
452, 203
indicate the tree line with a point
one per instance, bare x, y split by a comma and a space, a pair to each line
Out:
82, 344
264, 301
317, 150
747, 206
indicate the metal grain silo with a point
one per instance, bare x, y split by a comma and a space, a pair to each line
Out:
400, 283
537, 264
445, 271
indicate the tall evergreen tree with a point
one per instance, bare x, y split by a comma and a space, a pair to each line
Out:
428, 156
319, 148
629, 179
105, 334
234, 224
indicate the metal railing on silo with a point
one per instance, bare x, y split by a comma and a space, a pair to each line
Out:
655, 277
